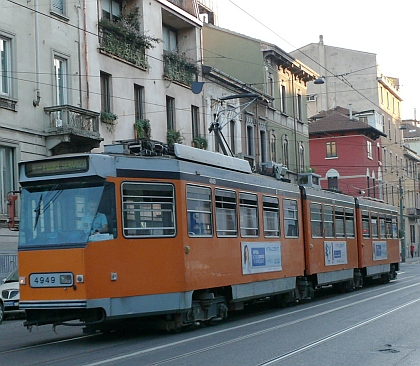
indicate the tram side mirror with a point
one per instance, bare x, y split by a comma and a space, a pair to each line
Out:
11, 211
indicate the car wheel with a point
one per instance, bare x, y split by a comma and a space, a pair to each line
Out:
1, 312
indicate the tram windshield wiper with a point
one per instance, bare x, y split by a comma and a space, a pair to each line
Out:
38, 211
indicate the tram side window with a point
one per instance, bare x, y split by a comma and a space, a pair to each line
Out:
248, 205
366, 224
394, 227
316, 220
226, 216
382, 228
271, 213
388, 226
328, 221
349, 222
290, 217
339, 222
199, 211
148, 209
374, 220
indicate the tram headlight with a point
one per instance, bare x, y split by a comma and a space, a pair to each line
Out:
66, 279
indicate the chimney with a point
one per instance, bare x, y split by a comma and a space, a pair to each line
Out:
350, 112
321, 39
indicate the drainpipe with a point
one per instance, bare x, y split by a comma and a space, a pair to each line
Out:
86, 54
79, 56
36, 101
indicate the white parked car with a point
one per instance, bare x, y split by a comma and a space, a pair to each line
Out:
9, 293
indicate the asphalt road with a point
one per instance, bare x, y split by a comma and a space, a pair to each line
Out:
377, 325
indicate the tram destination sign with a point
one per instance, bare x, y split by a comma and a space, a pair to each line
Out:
58, 166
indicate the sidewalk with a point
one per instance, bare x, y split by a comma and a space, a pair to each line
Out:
411, 260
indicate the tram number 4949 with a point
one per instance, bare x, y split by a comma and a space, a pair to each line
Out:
51, 279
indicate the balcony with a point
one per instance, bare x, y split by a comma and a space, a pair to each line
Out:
72, 129
177, 68
118, 45
413, 212
186, 5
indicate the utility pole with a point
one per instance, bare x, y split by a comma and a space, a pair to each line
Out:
402, 223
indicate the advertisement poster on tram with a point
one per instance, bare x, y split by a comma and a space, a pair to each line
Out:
335, 252
379, 250
261, 257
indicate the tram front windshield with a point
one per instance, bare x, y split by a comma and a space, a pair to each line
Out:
67, 215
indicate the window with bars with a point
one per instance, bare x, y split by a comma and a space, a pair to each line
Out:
290, 218
226, 214
271, 216
148, 209
199, 211
248, 204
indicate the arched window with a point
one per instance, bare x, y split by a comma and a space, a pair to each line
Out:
285, 150
301, 157
273, 147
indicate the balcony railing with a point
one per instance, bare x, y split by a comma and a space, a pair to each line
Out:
186, 5
177, 68
413, 212
67, 117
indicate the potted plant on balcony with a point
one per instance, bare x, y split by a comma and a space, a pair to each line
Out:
178, 68
109, 119
143, 128
200, 142
174, 137
124, 39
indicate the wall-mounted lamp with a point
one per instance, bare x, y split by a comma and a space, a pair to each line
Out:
320, 80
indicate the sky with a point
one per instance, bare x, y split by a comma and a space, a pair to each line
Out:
387, 28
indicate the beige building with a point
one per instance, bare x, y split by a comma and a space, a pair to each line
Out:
353, 80
77, 75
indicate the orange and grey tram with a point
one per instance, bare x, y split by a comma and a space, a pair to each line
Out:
177, 240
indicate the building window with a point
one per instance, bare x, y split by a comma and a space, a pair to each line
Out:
263, 139
273, 147
5, 66
331, 149
332, 183
170, 39
138, 102
250, 140
301, 157
232, 126
299, 107
57, 6
270, 84
60, 80
285, 151
7, 175
369, 149
170, 113
283, 98
105, 92
111, 9
195, 120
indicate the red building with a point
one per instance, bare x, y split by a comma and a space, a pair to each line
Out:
346, 153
